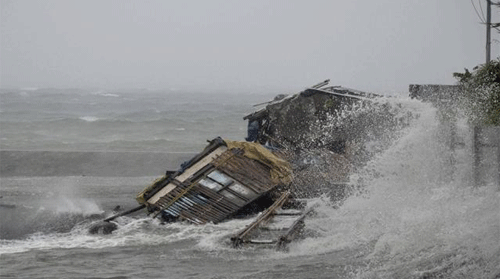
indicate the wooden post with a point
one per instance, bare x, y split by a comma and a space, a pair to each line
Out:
125, 213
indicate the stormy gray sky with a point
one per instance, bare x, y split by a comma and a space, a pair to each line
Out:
229, 45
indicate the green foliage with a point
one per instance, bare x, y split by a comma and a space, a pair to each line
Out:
481, 93
462, 77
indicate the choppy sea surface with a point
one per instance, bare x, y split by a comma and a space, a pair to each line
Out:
133, 120
406, 222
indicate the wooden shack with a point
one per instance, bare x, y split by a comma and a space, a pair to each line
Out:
225, 178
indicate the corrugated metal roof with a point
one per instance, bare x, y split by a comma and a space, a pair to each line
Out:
214, 188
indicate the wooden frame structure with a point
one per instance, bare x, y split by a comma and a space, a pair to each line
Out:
213, 186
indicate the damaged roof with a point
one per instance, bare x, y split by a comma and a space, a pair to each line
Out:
320, 88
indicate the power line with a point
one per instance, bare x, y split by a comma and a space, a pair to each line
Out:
481, 16
496, 25
477, 13
481, 7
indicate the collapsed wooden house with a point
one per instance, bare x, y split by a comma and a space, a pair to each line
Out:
225, 179
230, 178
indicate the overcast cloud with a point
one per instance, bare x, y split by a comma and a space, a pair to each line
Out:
372, 45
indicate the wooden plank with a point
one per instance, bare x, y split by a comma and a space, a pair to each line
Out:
165, 190
189, 172
289, 212
200, 164
238, 239
261, 241
292, 231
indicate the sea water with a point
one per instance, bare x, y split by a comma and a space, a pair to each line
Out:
127, 120
404, 220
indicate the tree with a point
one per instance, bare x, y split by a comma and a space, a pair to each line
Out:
481, 93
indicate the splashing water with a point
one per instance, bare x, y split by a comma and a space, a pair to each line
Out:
45, 205
416, 223
410, 220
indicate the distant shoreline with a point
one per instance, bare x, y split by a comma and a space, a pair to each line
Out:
28, 163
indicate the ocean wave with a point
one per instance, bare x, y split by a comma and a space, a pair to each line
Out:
29, 89
135, 232
89, 118
408, 221
104, 93
130, 125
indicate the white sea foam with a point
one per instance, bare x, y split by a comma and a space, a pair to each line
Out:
104, 93
110, 95
130, 232
29, 89
76, 206
24, 94
89, 118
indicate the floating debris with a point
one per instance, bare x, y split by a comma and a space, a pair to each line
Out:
275, 226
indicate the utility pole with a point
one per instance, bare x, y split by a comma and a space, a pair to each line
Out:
476, 146
488, 30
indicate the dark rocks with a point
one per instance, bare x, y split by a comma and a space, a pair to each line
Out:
103, 228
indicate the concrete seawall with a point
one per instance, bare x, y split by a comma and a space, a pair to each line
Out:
73, 163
